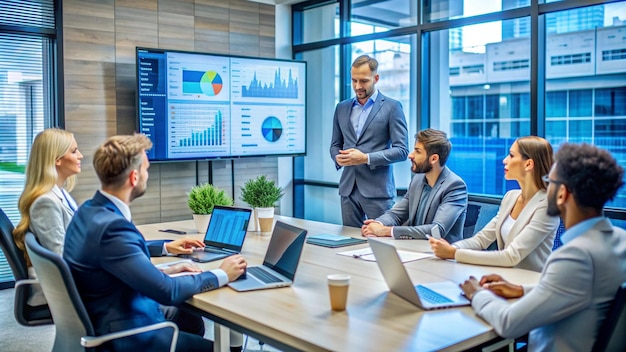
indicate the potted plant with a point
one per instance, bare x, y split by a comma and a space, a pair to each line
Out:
262, 194
201, 200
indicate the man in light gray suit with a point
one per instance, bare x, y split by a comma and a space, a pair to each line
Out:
436, 196
369, 134
565, 309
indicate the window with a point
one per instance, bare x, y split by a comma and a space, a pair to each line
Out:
465, 67
584, 47
26, 94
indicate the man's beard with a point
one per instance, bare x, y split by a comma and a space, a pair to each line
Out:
421, 168
553, 209
137, 191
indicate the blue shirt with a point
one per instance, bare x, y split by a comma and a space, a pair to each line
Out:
579, 229
359, 112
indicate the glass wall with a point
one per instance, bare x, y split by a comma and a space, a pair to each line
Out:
467, 67
480, 96
585, 79
27, 39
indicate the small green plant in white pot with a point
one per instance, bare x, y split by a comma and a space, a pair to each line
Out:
201, 200
262, 194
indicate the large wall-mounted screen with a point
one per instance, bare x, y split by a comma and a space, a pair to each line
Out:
197, 106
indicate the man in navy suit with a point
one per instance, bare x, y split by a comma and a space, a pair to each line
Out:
436, 196
110, 260
369, 134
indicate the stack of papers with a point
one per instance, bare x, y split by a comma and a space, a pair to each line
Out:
366, 254
334, 241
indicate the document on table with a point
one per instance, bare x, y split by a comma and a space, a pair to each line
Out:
366, 254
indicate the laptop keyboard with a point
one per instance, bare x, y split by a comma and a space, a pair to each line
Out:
431, 296
263, 275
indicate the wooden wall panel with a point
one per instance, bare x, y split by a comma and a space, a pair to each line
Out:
100, 37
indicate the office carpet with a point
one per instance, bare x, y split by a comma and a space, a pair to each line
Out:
17, 338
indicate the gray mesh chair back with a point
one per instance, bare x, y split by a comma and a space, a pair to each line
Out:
25, 314
74, 330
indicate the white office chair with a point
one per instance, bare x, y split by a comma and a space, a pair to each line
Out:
74, 331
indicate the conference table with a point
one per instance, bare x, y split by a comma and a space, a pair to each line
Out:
299, 318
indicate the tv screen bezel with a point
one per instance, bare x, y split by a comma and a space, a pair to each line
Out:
229, 157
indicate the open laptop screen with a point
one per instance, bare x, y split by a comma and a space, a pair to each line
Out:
227, 227
285, 247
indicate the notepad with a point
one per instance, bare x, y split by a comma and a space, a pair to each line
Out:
368, 255
333, 241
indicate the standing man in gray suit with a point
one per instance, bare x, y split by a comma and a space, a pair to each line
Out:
369, 134
436, 196
565, 309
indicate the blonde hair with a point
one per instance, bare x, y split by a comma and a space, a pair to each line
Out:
540, 151
41, 176
118, 156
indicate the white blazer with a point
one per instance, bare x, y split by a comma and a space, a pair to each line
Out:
49, 218
529, 242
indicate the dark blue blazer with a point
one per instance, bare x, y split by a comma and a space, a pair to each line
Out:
118, 284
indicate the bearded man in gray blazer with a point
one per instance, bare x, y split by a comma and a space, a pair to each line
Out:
369, 134
565, 309
436, 196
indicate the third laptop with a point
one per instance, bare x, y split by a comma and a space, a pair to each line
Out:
224, 235
280, 263
433, 295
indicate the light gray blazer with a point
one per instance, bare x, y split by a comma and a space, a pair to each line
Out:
384, 138
447, 207
565, 309
529, 242
49, 218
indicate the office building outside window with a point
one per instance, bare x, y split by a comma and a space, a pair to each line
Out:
468, 69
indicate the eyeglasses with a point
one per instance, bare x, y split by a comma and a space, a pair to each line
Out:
546, 179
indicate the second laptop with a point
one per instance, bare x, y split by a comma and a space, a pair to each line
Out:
225, 234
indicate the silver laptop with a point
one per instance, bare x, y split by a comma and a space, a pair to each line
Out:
224, 235
280, 263
426, 296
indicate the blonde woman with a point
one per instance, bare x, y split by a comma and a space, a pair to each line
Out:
522, 229
45, 205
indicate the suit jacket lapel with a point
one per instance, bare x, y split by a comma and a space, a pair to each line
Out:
417, 189
66, 207
433, 192
378, 104
351, 132
526, 214
505, 211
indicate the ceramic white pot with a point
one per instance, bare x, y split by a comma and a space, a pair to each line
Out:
202, 222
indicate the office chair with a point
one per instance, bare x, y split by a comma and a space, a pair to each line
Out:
73, 326
611, 333
25, 314
469, 227
557, 238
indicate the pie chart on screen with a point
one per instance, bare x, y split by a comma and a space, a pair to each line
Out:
211, 83
272, 129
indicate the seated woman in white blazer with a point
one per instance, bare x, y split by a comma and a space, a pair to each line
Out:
522, 229
45, 205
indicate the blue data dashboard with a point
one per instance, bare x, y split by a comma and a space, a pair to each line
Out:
196, 106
